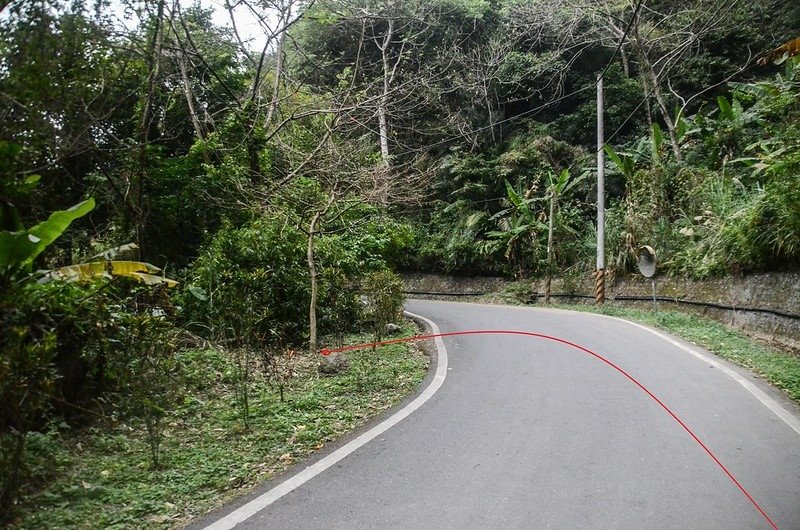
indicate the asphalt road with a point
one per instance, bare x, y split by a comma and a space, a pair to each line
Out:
530, 433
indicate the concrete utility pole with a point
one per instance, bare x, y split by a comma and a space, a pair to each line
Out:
600, 273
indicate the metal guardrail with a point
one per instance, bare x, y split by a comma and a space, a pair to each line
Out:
632, 298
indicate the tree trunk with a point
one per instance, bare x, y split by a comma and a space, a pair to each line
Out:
492, 121
383, 130
254, 163
187, 92
312, 271
154, 67
649, 109
279, 62
383, 123
550, 223
671, 129
626, 67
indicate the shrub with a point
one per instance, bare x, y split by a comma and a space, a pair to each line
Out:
148, 360
383, 297
256, 273
53, 352
27, 383
777, 229
253, 282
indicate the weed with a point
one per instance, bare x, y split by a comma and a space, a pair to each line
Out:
103, 480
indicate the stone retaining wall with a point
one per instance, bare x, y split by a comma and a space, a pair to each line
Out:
778, 291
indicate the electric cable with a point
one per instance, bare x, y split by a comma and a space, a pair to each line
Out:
624, 36
545, 105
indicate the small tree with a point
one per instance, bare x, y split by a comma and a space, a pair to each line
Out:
383, 298
152, 367
517, 227
557, 186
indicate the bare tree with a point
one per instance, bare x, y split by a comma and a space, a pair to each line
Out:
154, 53
275, 19
659, 35
385, 71
506, 68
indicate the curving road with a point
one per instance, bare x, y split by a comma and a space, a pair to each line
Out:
530, 433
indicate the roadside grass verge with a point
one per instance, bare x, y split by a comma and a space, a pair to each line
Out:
779, 368
103, 477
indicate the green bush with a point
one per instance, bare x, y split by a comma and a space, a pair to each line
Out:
740, 229
383, 300
27, 386
449, 244
54, 351
250, 280
253, 282
80, 323
777, 226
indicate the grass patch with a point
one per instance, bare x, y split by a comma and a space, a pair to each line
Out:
779, 368
104, 478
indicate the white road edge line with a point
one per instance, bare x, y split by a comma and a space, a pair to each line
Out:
788, 418
243, 513
776, 408
784, 415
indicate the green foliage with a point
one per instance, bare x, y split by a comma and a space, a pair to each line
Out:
748, 229
27, 462
27, 384
778, 225
103, 479
448, 243
624, 162
517, 229
658, 143
80, 324
65, 346
52, 359
477, 228
258, 272
19, 249
152, 388
576, 122
382, 293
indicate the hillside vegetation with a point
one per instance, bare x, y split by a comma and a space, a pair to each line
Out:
168, 183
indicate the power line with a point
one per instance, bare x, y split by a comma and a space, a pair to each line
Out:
624, 36
487, 127
638, 6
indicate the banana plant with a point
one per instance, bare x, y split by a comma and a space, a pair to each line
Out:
106, 266
515, 224
136, 270
627, 162
557, 187
657, 136
19, 248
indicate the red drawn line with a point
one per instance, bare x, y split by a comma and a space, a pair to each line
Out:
327, 352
